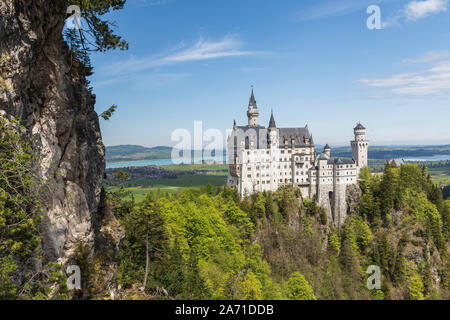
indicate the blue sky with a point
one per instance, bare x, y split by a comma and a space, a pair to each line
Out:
312, 62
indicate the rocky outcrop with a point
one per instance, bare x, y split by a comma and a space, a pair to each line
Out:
353, 197
40, 85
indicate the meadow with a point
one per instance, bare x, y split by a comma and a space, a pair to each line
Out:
440, 175
215, 174
212, 174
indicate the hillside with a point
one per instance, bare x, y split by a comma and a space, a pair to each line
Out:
210, 244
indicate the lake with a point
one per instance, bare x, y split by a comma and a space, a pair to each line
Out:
162, 162
218, 159
437, 157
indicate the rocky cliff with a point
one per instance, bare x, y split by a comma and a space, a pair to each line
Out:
40, 85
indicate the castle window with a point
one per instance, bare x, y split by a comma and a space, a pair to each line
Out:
282, 151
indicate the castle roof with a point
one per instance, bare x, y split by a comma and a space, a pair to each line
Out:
297, 135
326, 147
340, 161
252, 101
359, 126
272, 121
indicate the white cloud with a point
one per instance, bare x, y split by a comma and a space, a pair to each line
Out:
147, 81
428, 57
415, 10
201, 50
432, 81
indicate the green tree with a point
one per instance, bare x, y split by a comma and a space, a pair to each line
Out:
146, 242
298, 288
415, 287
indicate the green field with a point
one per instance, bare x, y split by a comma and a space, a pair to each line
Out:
440, 175
216, 176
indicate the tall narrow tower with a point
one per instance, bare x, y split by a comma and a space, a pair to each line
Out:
360, 146
272, 134
252, 112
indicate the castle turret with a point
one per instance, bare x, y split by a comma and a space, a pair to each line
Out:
252, 112
327, 151
360, 146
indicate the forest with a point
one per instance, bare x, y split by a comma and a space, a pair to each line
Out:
210, 244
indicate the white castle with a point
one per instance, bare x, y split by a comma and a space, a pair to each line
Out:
263, 159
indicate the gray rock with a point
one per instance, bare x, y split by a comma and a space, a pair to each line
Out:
46, 92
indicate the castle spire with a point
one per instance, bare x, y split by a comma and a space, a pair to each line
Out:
272, 121
252, 101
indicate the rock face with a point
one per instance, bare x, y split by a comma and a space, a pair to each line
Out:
40, 85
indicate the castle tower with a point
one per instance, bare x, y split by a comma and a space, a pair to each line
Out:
360, 146
327, 151
252, 112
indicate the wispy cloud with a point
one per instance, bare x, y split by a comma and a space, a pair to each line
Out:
146, 71
427, 57
144, 81
432, 81
420, 9
416, 10
332, 8
202, 50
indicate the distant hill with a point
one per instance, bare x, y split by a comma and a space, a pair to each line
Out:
395, 152
135, 152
